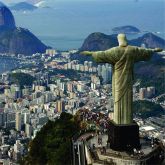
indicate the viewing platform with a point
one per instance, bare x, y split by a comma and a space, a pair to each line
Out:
92, 148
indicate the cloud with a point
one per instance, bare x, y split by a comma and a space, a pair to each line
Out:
16, 1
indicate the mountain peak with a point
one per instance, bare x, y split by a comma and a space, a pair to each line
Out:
1, 4
150, 40
99, 41
17, 40
6, 20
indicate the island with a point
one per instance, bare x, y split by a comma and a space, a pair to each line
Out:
23, 6
125, 29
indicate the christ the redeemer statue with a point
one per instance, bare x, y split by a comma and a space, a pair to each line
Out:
122, 59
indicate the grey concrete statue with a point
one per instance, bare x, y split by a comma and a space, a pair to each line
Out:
122, 59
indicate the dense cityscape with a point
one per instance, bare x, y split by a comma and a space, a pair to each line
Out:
55, 84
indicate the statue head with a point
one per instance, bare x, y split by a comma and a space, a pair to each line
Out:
122, 40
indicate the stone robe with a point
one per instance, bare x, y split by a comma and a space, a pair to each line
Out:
122, 60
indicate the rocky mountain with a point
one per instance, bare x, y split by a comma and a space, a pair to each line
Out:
23, 6
100, 41
150, 41
125, 29
6, 18
16, 40
20, 41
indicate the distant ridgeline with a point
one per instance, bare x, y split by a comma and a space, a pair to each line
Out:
23, 6
100, 41
125, 29
16, 40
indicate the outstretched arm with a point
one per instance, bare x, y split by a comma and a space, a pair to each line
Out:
87, 53
99, 56
106, 56
143, 54
157, 50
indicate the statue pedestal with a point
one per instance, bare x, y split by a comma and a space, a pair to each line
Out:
123, 137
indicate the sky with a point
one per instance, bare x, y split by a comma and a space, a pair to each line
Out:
15, 1
35, 1
49, 1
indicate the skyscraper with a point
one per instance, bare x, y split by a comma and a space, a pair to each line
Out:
99, 70
106, 73
18, 121
60, 106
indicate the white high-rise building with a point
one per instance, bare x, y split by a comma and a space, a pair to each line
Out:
142, 93
26, 118
150, 91
18, 123
90, 64
18, 147
106, 73
99, 70
28, 130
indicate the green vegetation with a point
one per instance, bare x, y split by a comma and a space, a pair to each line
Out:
157, 82
52, 145
147, 109
151, 73
71, 74
22, 79
161, 99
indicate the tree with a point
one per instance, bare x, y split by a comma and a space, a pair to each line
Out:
53, 144
147, 109
22, 79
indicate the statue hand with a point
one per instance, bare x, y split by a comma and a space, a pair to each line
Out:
158, 50
86, 53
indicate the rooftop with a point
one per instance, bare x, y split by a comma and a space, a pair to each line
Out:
147, 128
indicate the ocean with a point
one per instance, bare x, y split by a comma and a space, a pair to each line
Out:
67, 23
